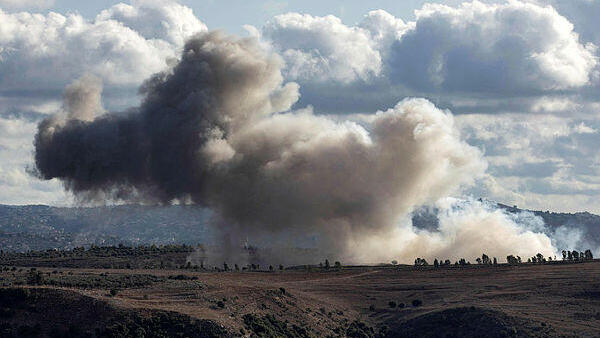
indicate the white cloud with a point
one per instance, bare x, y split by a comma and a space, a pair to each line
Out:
492, 48
17, 186
537, 161
124, 45
476, 51
156, 19
323, 48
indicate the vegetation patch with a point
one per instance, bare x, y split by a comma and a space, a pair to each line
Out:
61, 313
91, 281
468, 322
269, 326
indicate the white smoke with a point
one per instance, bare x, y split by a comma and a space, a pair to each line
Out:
467, 229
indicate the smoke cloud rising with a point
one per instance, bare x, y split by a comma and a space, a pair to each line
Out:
217, 130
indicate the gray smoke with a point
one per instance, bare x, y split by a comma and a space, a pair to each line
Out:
217, 130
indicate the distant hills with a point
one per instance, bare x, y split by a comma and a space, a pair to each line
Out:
587, 224
40, 227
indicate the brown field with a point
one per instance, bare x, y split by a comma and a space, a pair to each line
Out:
541, 300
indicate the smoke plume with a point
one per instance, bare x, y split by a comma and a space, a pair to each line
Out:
217, 130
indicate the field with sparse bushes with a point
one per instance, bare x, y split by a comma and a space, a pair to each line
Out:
543, 299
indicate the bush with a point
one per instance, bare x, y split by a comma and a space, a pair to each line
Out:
220, 304
372, 308
392, 304
114, 292
401, 305
417, 302
269, 326
182, 277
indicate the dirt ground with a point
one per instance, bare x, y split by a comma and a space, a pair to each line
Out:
562, 297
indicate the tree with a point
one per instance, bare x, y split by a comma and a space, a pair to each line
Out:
447, 262
569, 255
225, 266
394, 262
421, 262
575, 255
436, 264
485, 259
540, 258
478, 260
327, 266
564, 254
337, 265
588, 255
495, 261
512, 260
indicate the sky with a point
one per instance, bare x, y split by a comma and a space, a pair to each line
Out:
521, 78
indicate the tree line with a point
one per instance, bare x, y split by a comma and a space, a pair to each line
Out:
567, 256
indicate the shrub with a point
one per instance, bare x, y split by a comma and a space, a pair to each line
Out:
392, 304
372, 308
114, 292
182, 277
401, 305
220, 304
417, 302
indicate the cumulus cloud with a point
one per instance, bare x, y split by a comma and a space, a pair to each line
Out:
494, 48
156, 19
476, 50
541, 161
323, 48
123, 45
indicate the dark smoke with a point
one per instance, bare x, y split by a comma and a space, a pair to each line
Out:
155, 151
216, 130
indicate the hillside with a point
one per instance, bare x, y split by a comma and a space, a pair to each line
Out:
524, 300
40, 227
